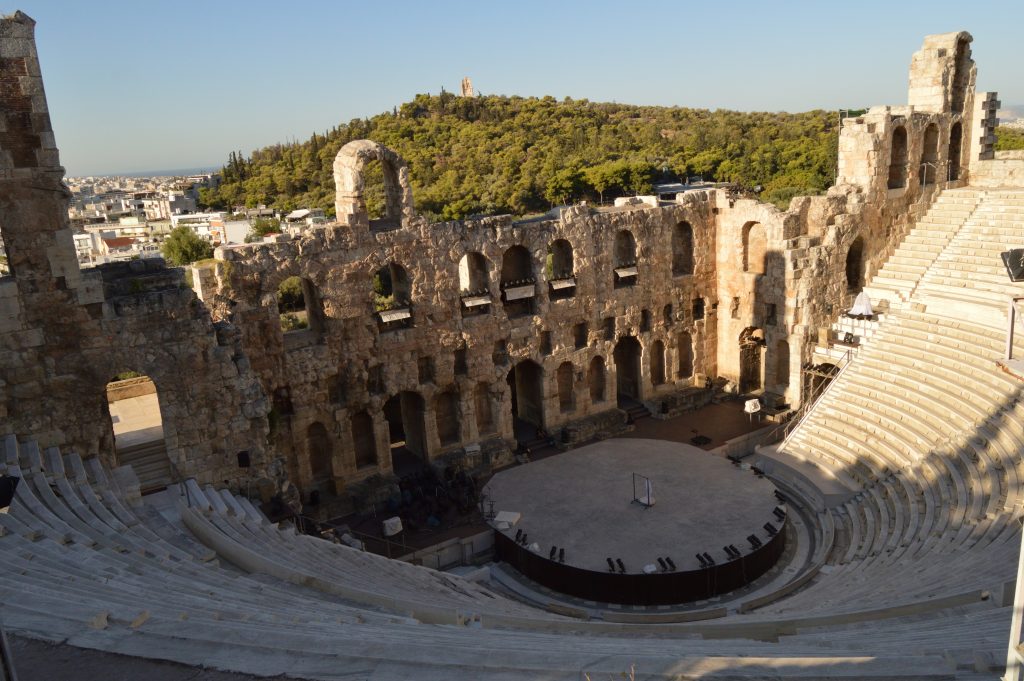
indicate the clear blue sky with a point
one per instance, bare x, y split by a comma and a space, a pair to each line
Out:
149, 85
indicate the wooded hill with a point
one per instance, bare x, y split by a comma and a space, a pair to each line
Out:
493, 154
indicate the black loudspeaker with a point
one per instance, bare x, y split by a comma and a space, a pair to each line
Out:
1013, 259
7, 487
243, 459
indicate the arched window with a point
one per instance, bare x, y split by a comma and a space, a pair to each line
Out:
474, 284
624, 259
682, 249
559, 269
961, 76
392, 297
855, 266
755, 245
564, 376
898, 159
596, 379
371, 184
518, 284
446, 414
929, 155
955, 142
684, 346
299, 306
364, 441
657, 362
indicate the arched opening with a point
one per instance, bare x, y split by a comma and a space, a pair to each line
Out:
404, 414
684, 346
666, 315
526, 383
474, 284
627, 369
624, 259
446, 415
816, 379
564, 378
484, 409
682, 250
898, 159
299, 306
318, 448
657, 363
133, 405
929, 156
560, 270
855, 266
596, 379
755, 245
961, 76
364, 439
518, 284
369, 181
955, 142
782, 365
751, 347
392, 297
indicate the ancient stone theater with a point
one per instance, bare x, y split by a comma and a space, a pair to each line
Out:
865, 525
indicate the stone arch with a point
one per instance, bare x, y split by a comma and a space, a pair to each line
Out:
299, 305
755, 246
855, 266
624, 259
627, 368
955, 144
526, 383
682, 249
929, 155
404, 412
961, 75
596, 379
898, 158
319, 451
350, 167
364, 439
391, 295
657, 363
564, 377
474, 273
560, 270
751, 348
684, 347
518, 283
446, 416
782, 365
484, 409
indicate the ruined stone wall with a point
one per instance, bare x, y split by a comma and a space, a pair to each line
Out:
64, 333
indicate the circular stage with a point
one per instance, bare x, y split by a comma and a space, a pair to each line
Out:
582, 501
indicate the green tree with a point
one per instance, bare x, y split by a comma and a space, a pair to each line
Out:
1009, 139
183, 247
260, 227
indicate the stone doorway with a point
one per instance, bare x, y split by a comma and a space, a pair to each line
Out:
134, 407
406, 431
627, 369
525, 382
751, 350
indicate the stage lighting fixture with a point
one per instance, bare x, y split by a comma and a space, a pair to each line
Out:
1013, 260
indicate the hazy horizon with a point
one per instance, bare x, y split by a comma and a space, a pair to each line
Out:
137, 86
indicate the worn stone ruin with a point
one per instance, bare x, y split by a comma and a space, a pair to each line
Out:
445, 335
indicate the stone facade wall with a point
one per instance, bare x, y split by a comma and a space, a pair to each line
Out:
655, 300
65, 333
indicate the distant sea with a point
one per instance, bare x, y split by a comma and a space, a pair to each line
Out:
157, 173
